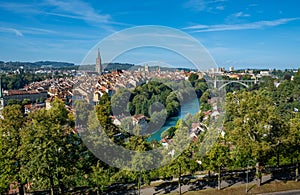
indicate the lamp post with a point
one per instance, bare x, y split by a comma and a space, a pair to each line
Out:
247, 175
247, 179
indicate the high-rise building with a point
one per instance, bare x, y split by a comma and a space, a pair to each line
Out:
98, 63
231, 68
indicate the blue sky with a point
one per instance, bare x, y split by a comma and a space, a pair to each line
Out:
240, 33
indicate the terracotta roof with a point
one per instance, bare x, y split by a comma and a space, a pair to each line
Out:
21, 92
139, 116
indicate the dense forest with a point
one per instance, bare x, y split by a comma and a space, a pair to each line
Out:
261, 128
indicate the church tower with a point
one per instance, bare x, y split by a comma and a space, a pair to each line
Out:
1, 95
98, 63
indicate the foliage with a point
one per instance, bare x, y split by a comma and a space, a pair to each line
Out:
42, 148
50, 148
10, 144
17, 81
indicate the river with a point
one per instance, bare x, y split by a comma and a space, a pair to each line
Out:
191, 107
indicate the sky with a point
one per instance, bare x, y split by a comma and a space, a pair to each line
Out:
239, 33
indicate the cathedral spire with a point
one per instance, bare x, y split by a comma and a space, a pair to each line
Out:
98, 63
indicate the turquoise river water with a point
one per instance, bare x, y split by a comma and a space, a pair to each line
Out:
191, 107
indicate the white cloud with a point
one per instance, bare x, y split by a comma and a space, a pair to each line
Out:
12, 30
241, 14
198, 5
31, 30
205, 5
79, 10
220, 7
76, 9
245, 26
20, 7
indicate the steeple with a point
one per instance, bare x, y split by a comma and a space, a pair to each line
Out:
98, 63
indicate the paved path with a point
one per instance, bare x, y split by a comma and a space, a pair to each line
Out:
173, 187
291, 192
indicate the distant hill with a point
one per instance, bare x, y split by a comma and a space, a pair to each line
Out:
117, 66
125, 66
53, 64
10, 66
108, 67
31, 65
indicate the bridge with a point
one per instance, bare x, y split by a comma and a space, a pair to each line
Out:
219, 84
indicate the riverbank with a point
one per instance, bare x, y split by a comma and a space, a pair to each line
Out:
191, 107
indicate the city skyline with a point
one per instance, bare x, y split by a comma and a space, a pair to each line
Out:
251, 34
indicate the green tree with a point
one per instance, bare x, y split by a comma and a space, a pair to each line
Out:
180, 157
218, 157
267, 83
119, 102
193, 78
170, 132
140, 103
100, 176
139, 144
251, 127
103, 112
293, 140
10, 144
205, 96
14, 102
297, 77
82, 109
50, 148
200, 88
284, 98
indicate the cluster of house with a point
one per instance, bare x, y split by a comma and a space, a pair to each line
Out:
194, 132
238, 75
109, 83
88, 86
39, 94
